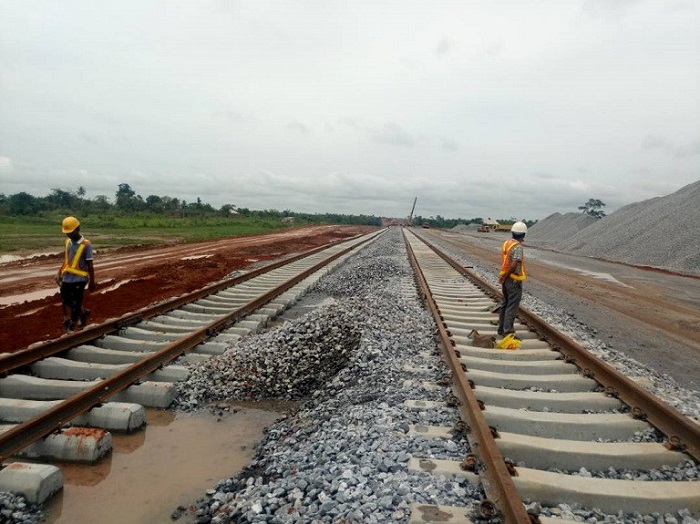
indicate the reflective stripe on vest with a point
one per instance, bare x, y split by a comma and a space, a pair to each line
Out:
508, 245
73, 267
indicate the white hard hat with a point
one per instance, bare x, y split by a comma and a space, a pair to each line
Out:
519, 228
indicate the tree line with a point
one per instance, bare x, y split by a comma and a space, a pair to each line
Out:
126, 201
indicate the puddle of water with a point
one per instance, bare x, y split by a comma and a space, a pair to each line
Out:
170, 464
12, 258
112, 287
28, 297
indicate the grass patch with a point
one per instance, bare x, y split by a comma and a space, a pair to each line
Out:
31, 234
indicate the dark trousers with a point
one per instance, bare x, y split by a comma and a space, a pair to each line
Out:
72, 297
512, 293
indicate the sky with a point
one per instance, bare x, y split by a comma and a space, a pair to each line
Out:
503, 109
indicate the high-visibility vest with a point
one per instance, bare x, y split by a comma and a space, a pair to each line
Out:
73, 266
508, 245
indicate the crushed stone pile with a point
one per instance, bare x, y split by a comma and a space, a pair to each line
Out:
461, 228
659, 232
557, 228
284, 364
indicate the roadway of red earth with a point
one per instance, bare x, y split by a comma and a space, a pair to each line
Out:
134, 277
651, 316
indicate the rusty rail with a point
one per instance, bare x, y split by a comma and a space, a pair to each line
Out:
496, 479
53, 419
683, 434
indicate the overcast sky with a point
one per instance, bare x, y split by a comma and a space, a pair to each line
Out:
479, 108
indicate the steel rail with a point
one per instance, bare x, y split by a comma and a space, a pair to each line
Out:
16, 360
496, 478
53, 419
683, 434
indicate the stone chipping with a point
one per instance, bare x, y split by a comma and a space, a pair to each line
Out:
659, 232
15, 509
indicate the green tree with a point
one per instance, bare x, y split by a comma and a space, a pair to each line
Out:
126, 197
101, 203
62, 199
23, 204
154, 203
593, 208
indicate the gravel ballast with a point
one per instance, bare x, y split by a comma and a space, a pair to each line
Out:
342, 456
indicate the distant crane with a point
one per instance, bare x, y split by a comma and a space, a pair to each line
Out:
410, 216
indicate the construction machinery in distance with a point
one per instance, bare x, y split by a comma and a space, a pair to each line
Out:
410, 216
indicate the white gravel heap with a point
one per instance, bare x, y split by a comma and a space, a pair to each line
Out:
558, 228
660, 232
320, 344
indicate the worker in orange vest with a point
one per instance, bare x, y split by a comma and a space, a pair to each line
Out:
76, 272
511, 278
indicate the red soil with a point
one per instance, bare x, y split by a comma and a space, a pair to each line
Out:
153, 273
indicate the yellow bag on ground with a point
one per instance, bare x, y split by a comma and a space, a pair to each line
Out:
508, 342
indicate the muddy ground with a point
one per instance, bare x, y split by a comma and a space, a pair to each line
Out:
134, 277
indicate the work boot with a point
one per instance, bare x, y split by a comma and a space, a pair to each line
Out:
84, 316
69, 325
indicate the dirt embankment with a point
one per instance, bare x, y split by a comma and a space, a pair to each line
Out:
129, 279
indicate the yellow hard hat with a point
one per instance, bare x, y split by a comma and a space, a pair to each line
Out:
70, 224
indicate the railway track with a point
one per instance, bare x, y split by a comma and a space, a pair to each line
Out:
550, 407
102, 377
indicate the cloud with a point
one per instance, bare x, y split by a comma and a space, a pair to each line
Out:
298, 127
448, 144
688, 150
654, 142
678, 151
445, 45
417, 103
90, 139
603, 8
233, 116
5, 165
394, 135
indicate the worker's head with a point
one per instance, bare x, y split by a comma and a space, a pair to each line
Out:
518, 230
71, 226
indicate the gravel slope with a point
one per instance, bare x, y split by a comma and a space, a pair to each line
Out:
660, 232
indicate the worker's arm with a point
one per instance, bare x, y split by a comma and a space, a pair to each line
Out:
511, 269
91, 273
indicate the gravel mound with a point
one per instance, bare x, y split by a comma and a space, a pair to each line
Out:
462, 228
315, 347
659, 232
557, 228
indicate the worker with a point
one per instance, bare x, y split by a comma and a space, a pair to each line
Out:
511, 278
75, 273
